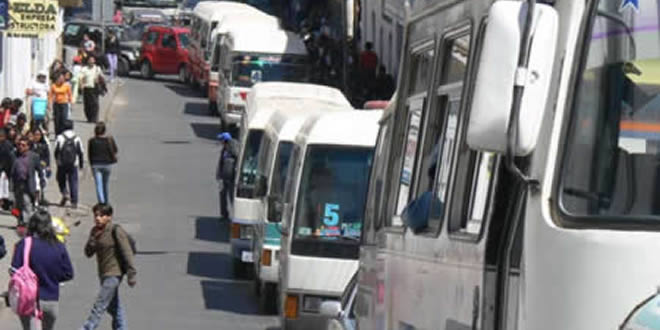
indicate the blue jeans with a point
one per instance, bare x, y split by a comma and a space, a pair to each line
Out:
107, 300
101, 178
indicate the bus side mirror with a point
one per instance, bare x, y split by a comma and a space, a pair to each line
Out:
331, 309
275, 209
498, 74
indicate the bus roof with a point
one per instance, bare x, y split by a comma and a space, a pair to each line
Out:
352, 128
263, 110
218, 10
247, 20
298, 91
265, 40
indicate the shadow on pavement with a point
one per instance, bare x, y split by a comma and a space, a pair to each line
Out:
211, 265
230, 297
206, 131
273, 328
197, 109
181, 90
211, 229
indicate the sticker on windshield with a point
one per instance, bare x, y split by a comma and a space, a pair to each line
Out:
331, 215
305, 231
629, 4
330, 231
256, 76
351, 229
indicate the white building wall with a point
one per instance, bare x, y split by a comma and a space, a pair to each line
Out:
22, 58
382, 24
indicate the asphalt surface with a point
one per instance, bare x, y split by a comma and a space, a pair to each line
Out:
164, 193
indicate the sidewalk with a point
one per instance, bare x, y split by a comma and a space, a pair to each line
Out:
86, 189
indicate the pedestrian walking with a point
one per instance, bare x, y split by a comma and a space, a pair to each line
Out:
368, 62
7, 157
41, 147
38, 93
60, 98
118, 17
75, 78
111, 51
49, 260
114, 256
56, 69
102, 153
69, 155
23, 177
226, 172
90, 80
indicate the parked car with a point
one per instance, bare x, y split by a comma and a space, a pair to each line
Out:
164, 51
74, 31
130, 45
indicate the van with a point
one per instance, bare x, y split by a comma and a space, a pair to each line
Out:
250, 55
324, 203
249, 20
264, 100
205, 19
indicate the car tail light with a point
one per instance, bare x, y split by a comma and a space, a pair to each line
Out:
243, 95
235, 230
291, 307
265, 257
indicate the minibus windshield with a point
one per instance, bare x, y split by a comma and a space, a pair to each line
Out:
249, 164
281, 168
248, 70
332, 196
611, 168
151, 3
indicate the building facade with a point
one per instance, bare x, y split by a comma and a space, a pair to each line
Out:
382, 23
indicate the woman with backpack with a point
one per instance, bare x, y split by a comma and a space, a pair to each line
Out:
49, 260
102, 154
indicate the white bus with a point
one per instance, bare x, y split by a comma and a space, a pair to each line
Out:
520, 185
264, 100
324, 208
206, 17
252, 54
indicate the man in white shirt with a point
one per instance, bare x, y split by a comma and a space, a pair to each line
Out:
39, 87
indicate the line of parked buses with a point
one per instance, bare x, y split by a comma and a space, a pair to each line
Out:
511, 184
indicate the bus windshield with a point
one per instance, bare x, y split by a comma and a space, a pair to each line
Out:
610, 170
249, 164
281, 168
151, 3
251, 69
332, 195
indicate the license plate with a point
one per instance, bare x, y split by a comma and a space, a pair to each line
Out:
246, 256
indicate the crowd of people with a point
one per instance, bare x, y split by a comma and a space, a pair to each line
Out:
28, 152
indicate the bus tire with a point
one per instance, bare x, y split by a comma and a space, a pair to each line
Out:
238, 268
213, 108
268, 299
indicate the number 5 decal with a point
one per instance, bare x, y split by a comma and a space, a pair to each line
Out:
331, 217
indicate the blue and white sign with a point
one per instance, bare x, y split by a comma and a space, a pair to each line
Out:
632, 4
4, 14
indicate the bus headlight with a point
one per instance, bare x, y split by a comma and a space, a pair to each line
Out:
312, 304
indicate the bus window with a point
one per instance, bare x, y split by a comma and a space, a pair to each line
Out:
425, 212
610, 169
421, 64
373, 217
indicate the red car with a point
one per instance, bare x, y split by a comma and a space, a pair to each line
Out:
164, 50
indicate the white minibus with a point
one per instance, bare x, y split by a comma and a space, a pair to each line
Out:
324, 204
263, 101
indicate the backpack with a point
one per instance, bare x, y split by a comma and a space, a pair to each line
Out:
68, 151
24, 285
131, 242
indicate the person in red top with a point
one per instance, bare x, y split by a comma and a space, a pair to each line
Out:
5, 111
368, 60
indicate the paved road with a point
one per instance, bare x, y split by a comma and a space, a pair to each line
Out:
165, 194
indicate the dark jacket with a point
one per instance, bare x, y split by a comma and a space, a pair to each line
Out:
34, 166
43, 150
112, 46
50, 262
228, 150
110, 253
102, 150
7, 156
